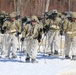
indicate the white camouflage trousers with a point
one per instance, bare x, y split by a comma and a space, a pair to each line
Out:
32, 45
70, 45
1, 44
5, 43
12, 43
51, 41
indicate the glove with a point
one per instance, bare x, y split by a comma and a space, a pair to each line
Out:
41, 30
22, 39
18, 33
61, 32
5, 28
2, 31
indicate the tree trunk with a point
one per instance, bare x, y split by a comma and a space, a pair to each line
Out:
19, 2
14, 5
47, 5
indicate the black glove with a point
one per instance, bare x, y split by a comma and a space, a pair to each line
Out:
47, 27
5, 28
61, 32
22, 39
2, 31
18, 33
41, 30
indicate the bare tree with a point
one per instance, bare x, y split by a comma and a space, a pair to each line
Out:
19, 2
14, 1
47, 5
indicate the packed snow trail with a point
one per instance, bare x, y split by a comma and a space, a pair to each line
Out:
53, 66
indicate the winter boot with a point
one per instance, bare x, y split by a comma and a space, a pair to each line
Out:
27, 58
56, 52
13, 56
67, 57
7, 56
34, 61
73, 57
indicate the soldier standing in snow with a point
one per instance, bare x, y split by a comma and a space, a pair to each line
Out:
30, 35
70, 38
14, 28
54, 28
4, 33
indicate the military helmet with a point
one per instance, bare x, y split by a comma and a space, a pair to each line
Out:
13, 14
73, 14
54, 11
59, 14
35, 19
49, 12
2, 16
3, 12
6, 15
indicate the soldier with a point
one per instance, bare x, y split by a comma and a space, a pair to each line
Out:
47, 33
3, 17
54, 24
55, 29
66, 24
30, 34
70, 38
18, 18
14, 29
5, 37
47, 36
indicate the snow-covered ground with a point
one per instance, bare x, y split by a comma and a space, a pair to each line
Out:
48, 65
